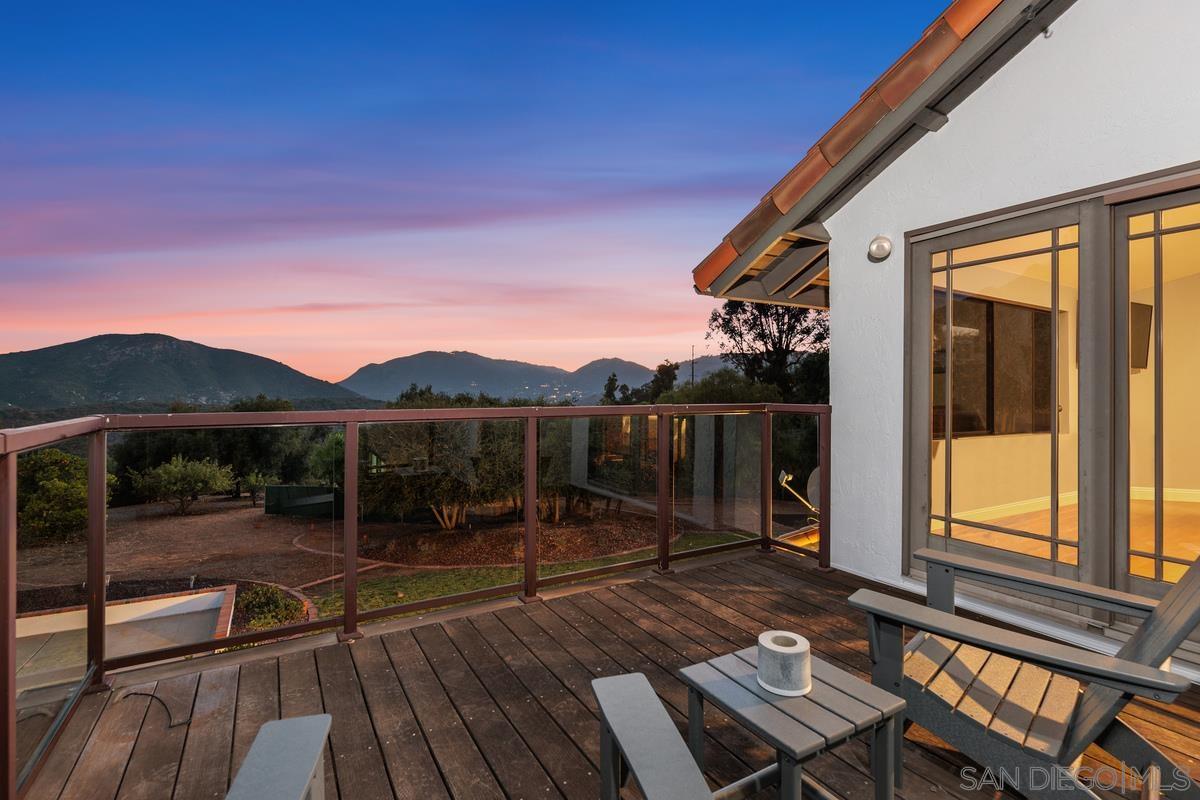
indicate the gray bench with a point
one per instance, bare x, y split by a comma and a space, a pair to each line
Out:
285, 762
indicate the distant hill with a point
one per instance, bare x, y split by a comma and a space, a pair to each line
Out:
149, 368
590, 378
705, 365
148, 371
460, 371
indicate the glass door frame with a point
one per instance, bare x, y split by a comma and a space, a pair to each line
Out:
1093, 395
1123, 578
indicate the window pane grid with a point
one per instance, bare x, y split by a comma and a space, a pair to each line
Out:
1163, 258
997, 360
983, 526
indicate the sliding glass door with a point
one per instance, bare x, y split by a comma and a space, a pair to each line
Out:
1157, 260
1054, 371
999, 396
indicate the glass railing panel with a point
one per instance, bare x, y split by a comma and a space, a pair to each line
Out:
715, 480
597, 492
440, 509
796, 482
214, 533
51, 645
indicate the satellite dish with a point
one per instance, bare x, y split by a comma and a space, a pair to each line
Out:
813, 487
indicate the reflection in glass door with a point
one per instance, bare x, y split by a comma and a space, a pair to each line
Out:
1159, 261
1004, 378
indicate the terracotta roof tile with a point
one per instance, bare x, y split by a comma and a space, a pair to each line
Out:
886, 94
917, 64
965, 15
851, 128
799, 180
754, 225
714, 264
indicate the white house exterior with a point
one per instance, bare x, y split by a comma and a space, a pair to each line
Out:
1072, 119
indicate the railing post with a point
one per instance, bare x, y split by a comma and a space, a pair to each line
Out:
97, 511
8, 619
767, 505
826, 454
664, 508
530, 594
350, 537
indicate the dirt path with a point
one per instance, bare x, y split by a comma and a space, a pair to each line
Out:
222, 539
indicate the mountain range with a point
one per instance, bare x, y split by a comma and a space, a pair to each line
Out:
124, 369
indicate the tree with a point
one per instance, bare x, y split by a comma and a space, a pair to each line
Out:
609, 398
255, 483
181, 481
649, 392
723, 386
52, 495
766, 342
279, 451
327, 462
812, 378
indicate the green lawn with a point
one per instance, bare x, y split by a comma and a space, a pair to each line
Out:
396, 589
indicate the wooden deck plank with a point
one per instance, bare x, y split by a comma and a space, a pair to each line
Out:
61, 761
154, 764
97, 774
754, 599
729, 750
204, 765
570, 712
257, 704
466, 772
686, 647
561, 758
32, 724
300, 696
515, 766
410, 765
526, 670
733, 751
357, 760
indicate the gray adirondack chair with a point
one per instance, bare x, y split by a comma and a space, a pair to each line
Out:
286, 761
1024, 707
638, 737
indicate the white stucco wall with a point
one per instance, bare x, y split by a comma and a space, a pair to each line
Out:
1111, 94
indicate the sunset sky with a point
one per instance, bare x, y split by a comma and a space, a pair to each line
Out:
331, 184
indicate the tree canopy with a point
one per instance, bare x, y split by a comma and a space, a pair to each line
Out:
52, 498
767, 343
182, 481
723, 386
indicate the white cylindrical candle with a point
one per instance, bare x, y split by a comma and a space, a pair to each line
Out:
784, 663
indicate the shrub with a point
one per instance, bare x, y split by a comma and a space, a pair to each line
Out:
255, 483
181, 482
262, 607
52, 497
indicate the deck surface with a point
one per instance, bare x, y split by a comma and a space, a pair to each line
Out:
499, 704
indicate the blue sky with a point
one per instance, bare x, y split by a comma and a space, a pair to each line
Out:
331, 184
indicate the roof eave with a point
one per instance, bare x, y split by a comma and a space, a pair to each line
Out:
999, 36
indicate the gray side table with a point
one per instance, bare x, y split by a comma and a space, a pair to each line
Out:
839, 707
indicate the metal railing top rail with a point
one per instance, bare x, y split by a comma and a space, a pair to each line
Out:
14, 440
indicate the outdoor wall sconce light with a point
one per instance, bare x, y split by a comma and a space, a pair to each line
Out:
879, 249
